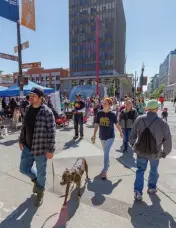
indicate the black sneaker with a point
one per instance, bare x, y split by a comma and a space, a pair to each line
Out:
125, 151
39, 199
75, 137
35, 186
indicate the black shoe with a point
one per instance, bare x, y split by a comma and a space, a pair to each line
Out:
34, 190
39, 199
125, 151
81, 137
75, 137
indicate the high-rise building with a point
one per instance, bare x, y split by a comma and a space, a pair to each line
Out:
167, 71
82, 33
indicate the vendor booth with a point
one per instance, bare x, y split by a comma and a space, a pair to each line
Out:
14, 90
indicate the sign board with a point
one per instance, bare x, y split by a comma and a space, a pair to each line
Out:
9, 9
145, 80
9, 57
55, 99
23, 46
31, 65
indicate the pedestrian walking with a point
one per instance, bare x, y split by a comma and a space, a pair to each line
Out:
126, 120
37, 142
151, 139
140, 106
164, 114
105, 122
79, 109
161, 100
174, 101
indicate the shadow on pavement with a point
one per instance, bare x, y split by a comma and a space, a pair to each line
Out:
101, 188
67, 212
22, 216
66, 129
71, 143
127, 159
90, 126
143, 215
10, 142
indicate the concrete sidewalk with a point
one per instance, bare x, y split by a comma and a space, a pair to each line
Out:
104, 204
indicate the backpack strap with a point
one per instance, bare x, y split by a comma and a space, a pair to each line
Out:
150, 123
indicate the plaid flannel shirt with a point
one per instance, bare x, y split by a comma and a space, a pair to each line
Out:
44, 132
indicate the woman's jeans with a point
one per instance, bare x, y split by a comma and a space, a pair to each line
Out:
106, 144
126, 137
153, 175
27, 161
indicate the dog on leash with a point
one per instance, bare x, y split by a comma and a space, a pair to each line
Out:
3, 132
74, 176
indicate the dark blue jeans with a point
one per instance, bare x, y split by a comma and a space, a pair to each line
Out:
153, 175
27, 161
126, 137
78, 121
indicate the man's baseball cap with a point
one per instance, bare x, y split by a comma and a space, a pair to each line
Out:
78, 95
38, 91
152, 105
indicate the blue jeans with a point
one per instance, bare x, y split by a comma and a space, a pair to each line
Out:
106, 144
27, 161
153, 175
126, 137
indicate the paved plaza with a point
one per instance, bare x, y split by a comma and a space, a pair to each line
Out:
104, 204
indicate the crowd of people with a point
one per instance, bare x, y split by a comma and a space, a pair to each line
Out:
140, 128
137, 122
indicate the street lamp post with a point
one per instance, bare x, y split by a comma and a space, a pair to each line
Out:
142, 77
97, 53
20, 77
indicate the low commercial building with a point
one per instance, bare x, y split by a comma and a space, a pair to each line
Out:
45, 77
6, 80
121, 83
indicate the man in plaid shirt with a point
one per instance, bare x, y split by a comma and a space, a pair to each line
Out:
37, 141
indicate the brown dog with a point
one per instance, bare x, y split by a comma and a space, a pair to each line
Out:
74, 176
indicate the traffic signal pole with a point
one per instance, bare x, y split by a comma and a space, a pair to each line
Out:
20, 77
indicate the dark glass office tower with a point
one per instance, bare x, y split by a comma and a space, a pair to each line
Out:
82, 32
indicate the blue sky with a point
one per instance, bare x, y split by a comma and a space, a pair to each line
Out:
151, 34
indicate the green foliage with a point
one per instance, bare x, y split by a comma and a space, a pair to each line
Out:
158, 91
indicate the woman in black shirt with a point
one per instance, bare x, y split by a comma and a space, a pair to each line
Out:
105, 121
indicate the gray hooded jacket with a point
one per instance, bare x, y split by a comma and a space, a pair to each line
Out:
159, 129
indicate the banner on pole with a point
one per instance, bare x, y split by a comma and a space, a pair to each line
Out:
28, 14
9, 9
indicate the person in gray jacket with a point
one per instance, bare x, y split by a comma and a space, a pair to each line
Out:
161, 133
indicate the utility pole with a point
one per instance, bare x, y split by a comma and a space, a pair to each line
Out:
20, 76
142, 77
97, 53
135, 81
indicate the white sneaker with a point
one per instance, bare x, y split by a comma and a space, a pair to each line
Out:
138, 196
152, 191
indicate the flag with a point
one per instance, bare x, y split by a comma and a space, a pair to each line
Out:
9, 10
28, 14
